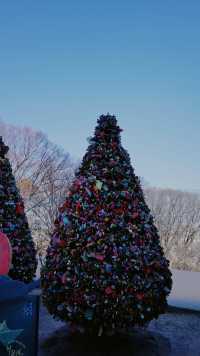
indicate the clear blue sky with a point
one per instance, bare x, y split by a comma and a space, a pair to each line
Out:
62, 63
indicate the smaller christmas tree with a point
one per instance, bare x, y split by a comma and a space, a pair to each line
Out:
14, 224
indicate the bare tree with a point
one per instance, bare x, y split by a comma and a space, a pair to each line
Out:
177, 216
43, 172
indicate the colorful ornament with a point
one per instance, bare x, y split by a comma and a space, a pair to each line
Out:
20, 208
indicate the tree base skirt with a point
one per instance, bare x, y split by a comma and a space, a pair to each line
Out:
140, 343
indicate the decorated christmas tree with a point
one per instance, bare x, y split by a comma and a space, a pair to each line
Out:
105, 268
14, 224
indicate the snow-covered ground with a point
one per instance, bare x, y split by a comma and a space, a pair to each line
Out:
186, 290
182, 331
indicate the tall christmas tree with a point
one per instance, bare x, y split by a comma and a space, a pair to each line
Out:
14, 224
105, 269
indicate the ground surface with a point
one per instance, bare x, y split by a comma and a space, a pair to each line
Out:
185, 295
174, 334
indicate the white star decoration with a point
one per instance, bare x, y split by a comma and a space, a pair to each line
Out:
8, 336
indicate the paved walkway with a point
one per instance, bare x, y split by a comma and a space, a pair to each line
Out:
173, 334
